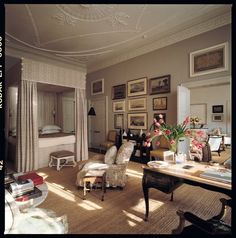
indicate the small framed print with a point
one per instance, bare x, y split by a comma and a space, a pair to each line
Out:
119, 121
210, 60
137, 121
137, 87
137, 104
160, 103
160, 85
159, 116
217, 117
119, 106
119, 91
97, 87
217, 109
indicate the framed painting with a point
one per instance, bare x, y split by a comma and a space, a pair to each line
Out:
137, 104
159, 103
119, 106
217, 109
119, 121
217, 117
160, 85
137, 87
157, 116
119, 91
137, 121
97, 87
210, 60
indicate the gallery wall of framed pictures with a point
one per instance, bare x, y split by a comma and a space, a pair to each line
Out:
130, 101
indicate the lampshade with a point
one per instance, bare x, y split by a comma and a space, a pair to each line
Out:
91, 112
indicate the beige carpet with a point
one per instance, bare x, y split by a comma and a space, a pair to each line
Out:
122, 212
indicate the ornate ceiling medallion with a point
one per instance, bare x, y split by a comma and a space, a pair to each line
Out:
87, 12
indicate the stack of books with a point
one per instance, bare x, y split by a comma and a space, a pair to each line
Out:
19, 188
37, 179
29, 195
224, 176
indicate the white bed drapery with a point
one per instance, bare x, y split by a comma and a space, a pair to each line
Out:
27, 122
27, 127
81, 124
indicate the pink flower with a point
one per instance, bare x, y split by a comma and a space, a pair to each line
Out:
148, 134
161, 121
187, 120
172, 142
154, 120
158, 143
157, 124
160, 116
167, 132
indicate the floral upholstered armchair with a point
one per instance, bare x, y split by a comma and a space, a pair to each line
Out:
114, 162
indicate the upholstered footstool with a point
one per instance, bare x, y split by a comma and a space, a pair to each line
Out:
92, 178
62, 158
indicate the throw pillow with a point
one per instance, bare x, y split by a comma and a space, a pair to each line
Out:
124, 152
110, 155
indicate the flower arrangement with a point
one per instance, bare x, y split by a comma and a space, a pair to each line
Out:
173, 132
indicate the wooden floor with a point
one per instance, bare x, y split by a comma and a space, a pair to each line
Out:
122, 211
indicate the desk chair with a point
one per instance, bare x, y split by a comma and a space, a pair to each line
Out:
215, 143
212, 226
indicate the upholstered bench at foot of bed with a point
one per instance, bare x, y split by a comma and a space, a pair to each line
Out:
66, 155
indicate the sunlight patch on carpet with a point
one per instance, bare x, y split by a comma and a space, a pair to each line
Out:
153, 205
88, 205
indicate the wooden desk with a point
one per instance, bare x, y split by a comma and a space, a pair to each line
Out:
169, 178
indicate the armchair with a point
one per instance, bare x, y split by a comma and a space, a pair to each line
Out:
111, 140
158, 151
213, 226
215, 143
115, 163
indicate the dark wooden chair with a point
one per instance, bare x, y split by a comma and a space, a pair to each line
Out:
212, 226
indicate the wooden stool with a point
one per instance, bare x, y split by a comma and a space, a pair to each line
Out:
66, 155
93, 177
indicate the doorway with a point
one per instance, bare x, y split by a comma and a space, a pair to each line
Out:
98, 126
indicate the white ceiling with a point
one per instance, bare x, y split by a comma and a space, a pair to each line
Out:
94, 36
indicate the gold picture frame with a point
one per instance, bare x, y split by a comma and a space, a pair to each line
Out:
118, 106
137, 87
210, 60
137, 121
137, 104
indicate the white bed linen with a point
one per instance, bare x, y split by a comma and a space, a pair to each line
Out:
54, 141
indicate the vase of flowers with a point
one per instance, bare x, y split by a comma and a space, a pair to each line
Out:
173, 133
194, 121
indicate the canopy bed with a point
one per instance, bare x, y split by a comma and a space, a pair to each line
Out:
32, 143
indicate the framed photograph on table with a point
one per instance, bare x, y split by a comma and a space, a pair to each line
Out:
160, 85
137, 87
119, 91
159, 103
119, 106
210, 60
97, 87
137, 104
119, 121
137, 121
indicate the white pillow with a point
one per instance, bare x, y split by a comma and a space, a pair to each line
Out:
51, 127
50, 131
110, 155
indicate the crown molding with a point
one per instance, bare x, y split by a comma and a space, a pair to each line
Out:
209, 25
18, 51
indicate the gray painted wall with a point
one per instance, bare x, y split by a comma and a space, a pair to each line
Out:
173, 60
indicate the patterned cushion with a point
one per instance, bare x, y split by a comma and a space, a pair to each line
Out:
124, 153
110, 155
